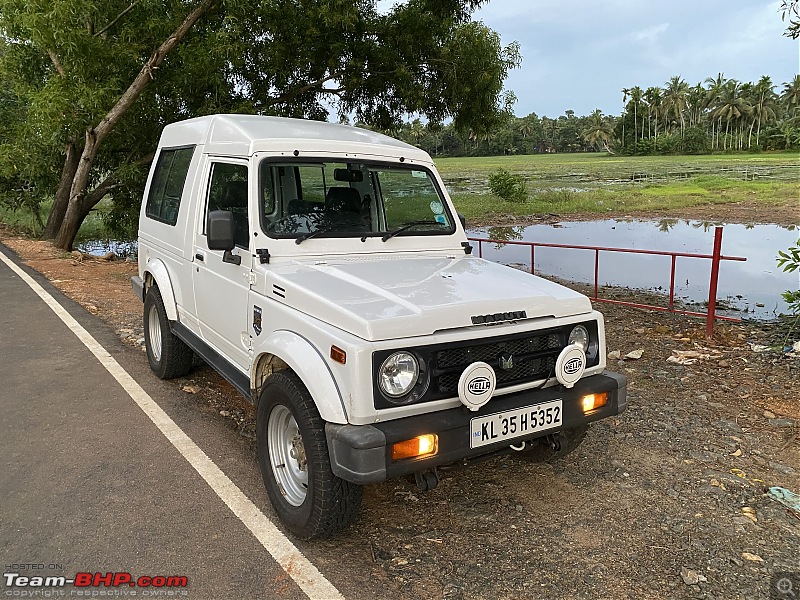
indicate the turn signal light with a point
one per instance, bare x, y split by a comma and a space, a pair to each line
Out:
339, 355
593, 401
422, 445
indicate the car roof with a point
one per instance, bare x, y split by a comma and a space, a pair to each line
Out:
254, 132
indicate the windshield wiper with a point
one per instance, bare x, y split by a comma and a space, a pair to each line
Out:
302, 238
390, 234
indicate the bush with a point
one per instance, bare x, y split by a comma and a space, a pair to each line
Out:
508, 186
789, 261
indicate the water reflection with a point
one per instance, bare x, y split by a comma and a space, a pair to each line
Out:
748, 289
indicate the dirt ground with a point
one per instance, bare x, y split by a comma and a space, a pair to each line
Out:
668, 500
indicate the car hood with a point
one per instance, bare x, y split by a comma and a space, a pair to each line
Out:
397, 297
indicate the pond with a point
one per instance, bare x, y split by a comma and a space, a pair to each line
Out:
748, 289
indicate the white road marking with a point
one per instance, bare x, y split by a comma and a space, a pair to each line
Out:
287, 555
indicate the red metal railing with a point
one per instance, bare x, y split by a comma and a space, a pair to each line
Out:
716, 257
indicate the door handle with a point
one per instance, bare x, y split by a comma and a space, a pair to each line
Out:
200, 257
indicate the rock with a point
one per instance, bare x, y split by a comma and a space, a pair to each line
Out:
191, 389
225, 413
769, 414
691, 577
635, 354
140, 341
781, 422
752, 557
737, 452
661, 329
785, 469
614, 354
724, 364
640, 330
750, 513
519, 508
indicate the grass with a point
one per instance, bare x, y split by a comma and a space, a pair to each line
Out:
23, 221
598, 183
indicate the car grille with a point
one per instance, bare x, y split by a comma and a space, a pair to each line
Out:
534, 357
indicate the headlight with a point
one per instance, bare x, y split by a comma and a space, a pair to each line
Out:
579, 336
398, 374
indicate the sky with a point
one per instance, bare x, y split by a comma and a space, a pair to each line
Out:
579, 55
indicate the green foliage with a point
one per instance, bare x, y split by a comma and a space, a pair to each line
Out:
789, 261
509, 187
65, 63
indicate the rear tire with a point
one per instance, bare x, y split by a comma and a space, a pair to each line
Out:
308, 498
169, 356
541, 451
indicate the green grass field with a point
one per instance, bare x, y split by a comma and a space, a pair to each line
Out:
597, 183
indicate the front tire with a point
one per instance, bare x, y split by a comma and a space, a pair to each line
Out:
308, 498
169, 356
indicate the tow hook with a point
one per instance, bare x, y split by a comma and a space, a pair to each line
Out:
427, 480
557, 441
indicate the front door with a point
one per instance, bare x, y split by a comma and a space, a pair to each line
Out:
221, 288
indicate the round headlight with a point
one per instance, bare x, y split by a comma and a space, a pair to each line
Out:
580, 337
398, 374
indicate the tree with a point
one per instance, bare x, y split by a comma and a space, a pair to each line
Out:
675, 91
763, 104
119, 69
790, 96
599, 132
790, 11
732, 106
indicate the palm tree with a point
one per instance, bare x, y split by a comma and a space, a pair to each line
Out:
695, 101
713, 92
652, 97
675, 91
599, 130
764, 104
636, 99
732, 106
625, 93
791, 96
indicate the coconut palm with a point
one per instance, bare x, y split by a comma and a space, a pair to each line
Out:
791, 96
713, 92
636, 99
732, 106
599, 131
652, 97
764, 104
675, 92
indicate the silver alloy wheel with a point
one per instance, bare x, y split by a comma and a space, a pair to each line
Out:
154, 329
287, 455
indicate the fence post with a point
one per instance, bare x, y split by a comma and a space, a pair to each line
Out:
712, 286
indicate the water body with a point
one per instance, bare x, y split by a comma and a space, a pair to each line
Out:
748, 289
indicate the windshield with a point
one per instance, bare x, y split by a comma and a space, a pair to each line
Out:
308, 199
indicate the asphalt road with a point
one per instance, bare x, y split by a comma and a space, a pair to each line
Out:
88, 482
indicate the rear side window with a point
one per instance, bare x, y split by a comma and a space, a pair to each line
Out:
166, 188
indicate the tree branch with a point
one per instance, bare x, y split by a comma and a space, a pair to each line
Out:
146, 73
302, 90
56, 63
115, 19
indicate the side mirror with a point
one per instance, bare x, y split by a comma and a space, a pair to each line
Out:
463, 221
220, 230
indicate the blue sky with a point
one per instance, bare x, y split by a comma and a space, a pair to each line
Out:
579, 55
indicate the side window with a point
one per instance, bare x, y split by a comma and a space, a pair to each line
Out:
166, 189
227, 190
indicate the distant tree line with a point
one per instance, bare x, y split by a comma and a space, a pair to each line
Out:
718, 115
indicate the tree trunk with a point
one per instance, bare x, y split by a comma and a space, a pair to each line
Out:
61, 200
77, 210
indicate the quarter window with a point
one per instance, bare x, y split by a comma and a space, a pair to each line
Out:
166, 188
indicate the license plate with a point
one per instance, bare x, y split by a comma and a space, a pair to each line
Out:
514, 423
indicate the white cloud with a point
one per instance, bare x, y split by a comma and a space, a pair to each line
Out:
650, 34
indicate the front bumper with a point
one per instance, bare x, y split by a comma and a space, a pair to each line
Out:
362, 453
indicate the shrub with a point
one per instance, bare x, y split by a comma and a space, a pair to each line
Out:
508, 186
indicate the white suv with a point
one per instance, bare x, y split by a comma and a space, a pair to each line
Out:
324, 272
